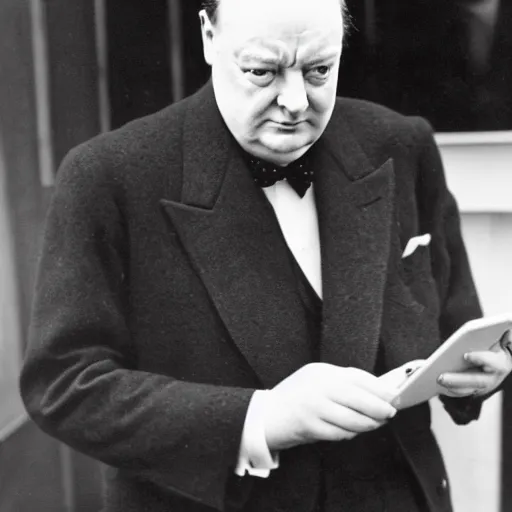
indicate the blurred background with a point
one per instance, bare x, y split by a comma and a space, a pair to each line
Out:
70, 69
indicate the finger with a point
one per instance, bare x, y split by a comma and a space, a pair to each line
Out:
466, 380
370, 383
362, 401
395, 378
348, 419
489, 361
323, 431
460, 392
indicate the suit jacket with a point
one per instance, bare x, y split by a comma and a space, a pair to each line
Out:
165, 296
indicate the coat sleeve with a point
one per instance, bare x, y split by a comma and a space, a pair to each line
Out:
80, 382
439, 215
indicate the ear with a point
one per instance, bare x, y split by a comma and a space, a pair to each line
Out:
207, 32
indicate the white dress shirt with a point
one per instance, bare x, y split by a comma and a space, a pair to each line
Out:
298, 220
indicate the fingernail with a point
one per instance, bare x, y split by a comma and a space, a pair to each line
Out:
392, 414
440, 379
467, 357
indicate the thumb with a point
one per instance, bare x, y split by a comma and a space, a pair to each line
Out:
398, 376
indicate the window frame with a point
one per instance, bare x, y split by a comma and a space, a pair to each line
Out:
478, 168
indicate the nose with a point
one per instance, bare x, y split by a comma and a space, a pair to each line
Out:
292, 94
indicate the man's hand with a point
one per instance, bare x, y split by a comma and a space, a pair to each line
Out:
323, 402
491, 367
395, 378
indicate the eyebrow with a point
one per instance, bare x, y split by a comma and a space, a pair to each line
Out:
263, 55
259, 57
267, 57
322, 58
275, 56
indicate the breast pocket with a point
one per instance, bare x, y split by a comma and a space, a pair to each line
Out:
411, 312
416, 284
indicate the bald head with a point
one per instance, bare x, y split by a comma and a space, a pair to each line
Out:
274, 71
211, 8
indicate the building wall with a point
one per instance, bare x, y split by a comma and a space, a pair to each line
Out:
29, 462
36, 472
480, 175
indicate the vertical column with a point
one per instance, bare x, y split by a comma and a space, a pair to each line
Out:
100, 19
195, 70
176, 49
12, 413
506, 450
138, 58
73, 71
72, 107
27, 167
370, 23
42, 92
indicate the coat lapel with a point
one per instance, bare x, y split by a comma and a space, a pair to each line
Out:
355, 210
234, 241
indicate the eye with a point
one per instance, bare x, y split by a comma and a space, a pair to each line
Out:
322, 70
260, 76
260, 73
319, 73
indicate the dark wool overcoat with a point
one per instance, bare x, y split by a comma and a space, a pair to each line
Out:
166, 296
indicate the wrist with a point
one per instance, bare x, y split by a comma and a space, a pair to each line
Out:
255, 457
277, 431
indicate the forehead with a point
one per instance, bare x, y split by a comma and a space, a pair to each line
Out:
277, 26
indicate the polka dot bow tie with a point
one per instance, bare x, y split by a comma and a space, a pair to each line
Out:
298, 174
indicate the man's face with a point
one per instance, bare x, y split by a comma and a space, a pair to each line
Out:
274, 70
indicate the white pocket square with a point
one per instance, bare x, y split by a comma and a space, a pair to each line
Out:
415, 242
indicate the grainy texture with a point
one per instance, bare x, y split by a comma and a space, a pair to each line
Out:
165, 296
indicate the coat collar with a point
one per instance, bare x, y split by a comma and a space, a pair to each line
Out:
234, 241
355, 211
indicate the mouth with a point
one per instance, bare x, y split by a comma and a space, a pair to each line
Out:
287, 126
288, 123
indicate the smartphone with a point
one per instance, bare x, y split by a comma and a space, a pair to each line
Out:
475, 335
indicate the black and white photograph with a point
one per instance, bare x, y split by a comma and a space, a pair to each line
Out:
255, 256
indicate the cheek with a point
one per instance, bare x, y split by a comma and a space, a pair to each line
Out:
322, 99
259, 103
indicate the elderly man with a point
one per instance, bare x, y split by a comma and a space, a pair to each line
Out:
223, 282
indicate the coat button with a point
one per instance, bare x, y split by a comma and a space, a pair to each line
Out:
442, 487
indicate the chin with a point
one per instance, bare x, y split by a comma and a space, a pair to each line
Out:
284, 152
280, 156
